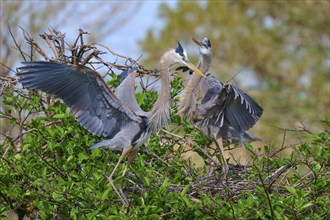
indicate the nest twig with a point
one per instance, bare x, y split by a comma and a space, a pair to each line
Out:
81, 52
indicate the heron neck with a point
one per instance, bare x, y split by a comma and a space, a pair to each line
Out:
160, 113
188, 102
188, 98
205, 63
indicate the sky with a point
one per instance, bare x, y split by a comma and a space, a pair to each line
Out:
146, 17
125, 40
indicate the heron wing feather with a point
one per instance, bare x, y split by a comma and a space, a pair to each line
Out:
228, 101
241, 109
126, 92
95, 107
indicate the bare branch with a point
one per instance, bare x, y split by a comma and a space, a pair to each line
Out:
16, 44
34, 45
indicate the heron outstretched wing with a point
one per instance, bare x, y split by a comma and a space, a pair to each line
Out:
241, 109
95, 107
228, 101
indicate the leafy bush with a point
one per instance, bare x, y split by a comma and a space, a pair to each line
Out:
48, 172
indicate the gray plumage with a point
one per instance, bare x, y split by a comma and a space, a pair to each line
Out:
228, 110
225, 111
91, 101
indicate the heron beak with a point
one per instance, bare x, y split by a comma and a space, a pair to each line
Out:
192, 67
197, 42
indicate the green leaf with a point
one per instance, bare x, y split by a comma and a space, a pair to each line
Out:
82, 156
50, 132
18, 156
59, 116
73, 213
92, 214
185, 190
249, 147
147, 181
188, 202
70, 150
8, 100
96, 153
105, 194
277, 214
140, 98
69, 158
57, 196
154, 216
292, 190
165, 184
307, 205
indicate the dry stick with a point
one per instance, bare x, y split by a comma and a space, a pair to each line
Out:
154, 155
116, 54
232, 156
111, 64
206, 154
172, 134
90, 56
16, 44
94, 54
21, 122
272, 177
298, 182
61, 38
74, 48
78, 37
50, 44
81, 52
192, 143
9, 80
281, 149
81, 33
34, 45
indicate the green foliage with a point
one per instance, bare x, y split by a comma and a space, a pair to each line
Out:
55, 174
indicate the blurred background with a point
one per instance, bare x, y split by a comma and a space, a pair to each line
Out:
278, 49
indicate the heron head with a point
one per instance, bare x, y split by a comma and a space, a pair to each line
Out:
125, 73
181, 57
204, 45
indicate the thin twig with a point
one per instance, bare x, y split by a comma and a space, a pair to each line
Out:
16, 44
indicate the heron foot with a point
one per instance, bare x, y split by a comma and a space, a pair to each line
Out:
122, 192
119, 193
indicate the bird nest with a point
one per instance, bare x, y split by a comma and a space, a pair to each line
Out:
231, 188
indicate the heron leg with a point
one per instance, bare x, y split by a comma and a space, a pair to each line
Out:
131, 156
122, 156
225, 167
210, 167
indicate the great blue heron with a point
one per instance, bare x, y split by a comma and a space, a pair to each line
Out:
225, 111
118, 117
